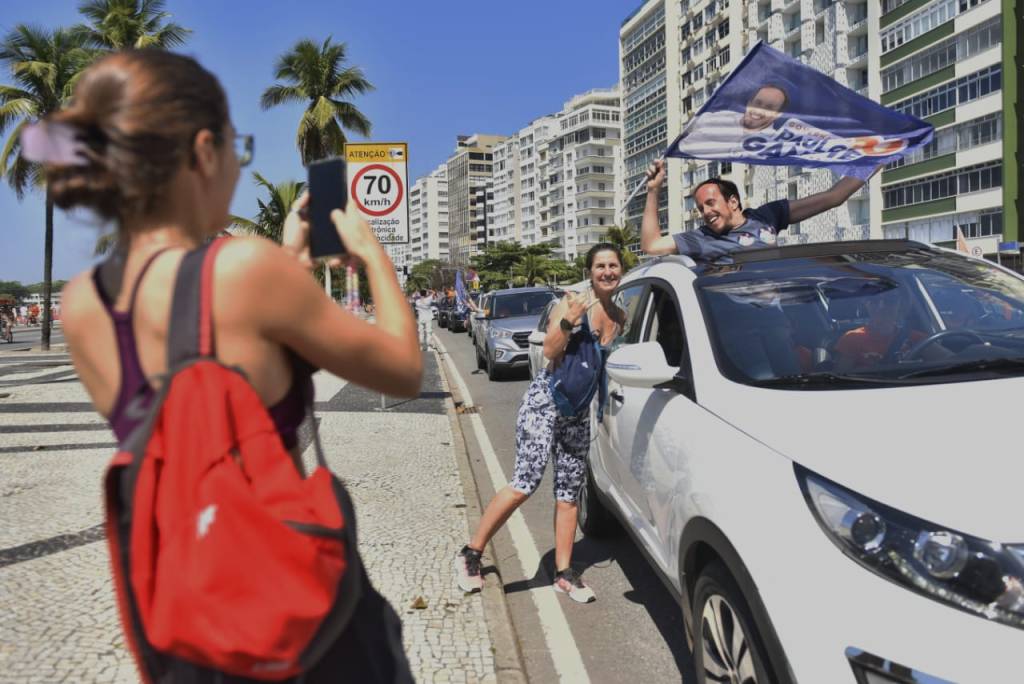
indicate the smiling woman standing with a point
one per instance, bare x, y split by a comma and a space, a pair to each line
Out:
148, 144
541, 429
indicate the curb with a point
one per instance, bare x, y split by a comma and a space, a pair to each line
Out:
508, 659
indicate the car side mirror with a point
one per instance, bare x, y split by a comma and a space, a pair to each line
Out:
479, 316
640, 365
536, 337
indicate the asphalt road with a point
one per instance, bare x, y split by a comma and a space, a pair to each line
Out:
27, 338
634, 631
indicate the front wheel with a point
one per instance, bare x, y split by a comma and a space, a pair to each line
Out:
726, 644
492, 370
593, 518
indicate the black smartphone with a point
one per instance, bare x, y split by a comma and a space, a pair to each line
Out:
328, 190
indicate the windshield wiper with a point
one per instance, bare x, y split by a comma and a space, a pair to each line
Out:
1003, 364
817, 379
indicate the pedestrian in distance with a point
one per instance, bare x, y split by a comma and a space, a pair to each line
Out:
543, 431
425, 317
727, 225
148, 144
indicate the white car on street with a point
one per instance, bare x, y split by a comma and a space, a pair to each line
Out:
831, 491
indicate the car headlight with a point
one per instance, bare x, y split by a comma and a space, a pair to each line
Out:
499, 333
977, 576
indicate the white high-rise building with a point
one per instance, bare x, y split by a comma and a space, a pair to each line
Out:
428, 217
554, 180
580, 182
533, 142
675, 54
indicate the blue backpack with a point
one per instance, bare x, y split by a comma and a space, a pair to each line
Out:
576, 380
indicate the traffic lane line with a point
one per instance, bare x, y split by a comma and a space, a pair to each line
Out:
557, 635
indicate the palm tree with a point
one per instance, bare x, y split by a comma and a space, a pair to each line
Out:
43, 66
121, 24
314, 75
623, 238
532, 267
269, 219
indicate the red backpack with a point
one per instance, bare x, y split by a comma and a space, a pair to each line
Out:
224, 556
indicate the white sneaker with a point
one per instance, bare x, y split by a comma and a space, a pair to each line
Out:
568, 582
467, 570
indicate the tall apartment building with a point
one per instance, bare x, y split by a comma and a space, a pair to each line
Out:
578, 190
428, 217
649, 86
945, 61
470, 192
517, 161
533, 149
675, 54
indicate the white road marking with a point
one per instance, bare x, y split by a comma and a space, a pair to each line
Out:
561, 644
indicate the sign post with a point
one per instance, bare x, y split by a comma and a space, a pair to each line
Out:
378, 187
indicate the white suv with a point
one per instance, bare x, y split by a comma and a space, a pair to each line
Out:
815, 447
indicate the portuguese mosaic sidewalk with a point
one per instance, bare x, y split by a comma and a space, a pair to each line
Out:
59, 621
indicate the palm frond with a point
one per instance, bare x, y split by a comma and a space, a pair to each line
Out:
351, 118
351, 81
105, 244
282, 94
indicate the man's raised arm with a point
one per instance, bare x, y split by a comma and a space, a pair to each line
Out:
813, 205
651, 240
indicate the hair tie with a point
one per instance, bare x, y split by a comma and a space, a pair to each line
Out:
54, 143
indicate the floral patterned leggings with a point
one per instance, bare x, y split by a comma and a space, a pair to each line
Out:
541, 429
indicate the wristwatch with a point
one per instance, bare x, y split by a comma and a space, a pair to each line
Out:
565, 325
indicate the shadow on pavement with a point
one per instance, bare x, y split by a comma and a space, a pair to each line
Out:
647, 590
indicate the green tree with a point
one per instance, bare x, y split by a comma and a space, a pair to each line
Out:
43, 66
121, 24
14, 289
428, 274
316, 75
623, 238
496, 263
533, 267
271, 212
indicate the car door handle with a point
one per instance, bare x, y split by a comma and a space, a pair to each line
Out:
616, 396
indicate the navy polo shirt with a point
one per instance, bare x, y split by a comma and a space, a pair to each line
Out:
759, 230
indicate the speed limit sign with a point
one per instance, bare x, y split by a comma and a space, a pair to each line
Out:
378, 180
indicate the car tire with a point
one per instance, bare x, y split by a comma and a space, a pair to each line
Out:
492, 371
592, 517
719, 609
480, 363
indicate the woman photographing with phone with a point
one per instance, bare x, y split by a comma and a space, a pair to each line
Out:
148, 144
542, 429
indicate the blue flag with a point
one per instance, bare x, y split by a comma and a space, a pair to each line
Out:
774, 110
460, 294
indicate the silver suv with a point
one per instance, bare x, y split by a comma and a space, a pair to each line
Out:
501, 336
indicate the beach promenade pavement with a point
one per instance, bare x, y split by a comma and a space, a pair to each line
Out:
404, 466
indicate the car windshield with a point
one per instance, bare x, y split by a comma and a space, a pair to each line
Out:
857, 320
520, 304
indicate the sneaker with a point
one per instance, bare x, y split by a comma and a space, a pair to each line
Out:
467, 570
568, 582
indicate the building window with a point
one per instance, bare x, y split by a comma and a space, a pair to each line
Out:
953, 93
959, 182
958, 48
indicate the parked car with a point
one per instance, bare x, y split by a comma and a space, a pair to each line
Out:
818, 520
444, 307
501, 336
536, 340
476, 321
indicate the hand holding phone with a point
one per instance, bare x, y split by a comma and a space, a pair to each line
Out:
328, 190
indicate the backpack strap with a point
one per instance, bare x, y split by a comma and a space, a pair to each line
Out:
191, 328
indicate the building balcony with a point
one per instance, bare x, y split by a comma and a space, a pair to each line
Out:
606, 212
592, 193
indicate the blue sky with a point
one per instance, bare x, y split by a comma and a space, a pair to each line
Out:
440, 69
